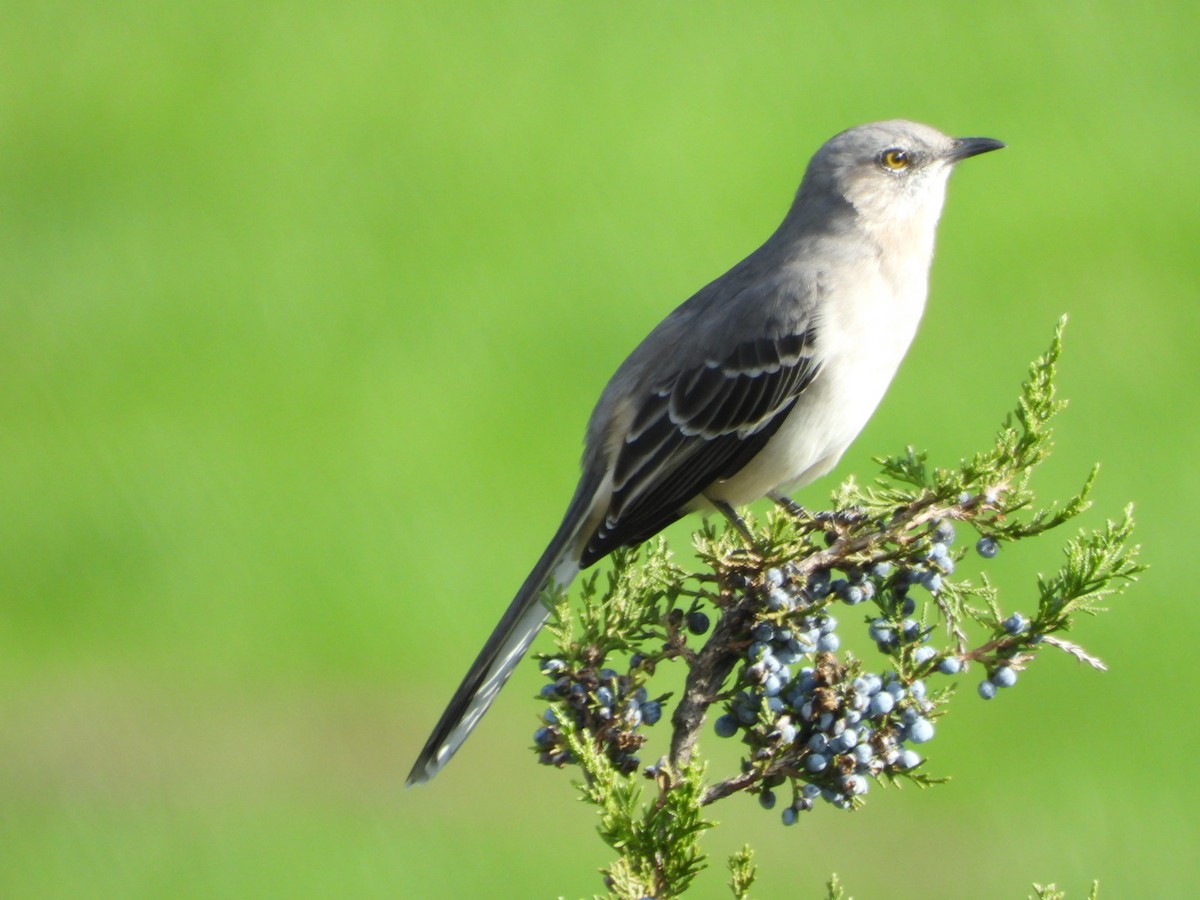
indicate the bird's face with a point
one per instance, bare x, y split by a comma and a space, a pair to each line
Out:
894, 173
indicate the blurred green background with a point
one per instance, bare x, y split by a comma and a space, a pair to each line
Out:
303, 308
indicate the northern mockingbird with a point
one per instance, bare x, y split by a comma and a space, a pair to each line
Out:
754, 386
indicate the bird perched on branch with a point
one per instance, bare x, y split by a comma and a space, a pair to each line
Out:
754, 386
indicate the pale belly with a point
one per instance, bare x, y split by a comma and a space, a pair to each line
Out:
860, 354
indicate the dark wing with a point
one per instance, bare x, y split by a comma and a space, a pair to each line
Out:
703, 425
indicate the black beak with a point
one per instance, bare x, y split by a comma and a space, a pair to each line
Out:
968, 147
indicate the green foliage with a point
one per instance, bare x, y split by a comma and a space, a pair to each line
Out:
889, 540
626, 613
742, 872
658, 841
834, 889
1050, 892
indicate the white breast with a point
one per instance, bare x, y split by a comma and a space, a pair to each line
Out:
863, 333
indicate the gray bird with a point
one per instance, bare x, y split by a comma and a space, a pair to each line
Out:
753, 387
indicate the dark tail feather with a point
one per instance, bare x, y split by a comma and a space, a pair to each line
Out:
507, 645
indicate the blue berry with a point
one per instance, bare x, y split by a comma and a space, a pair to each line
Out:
881, 631
697, 622
987, 547
810, 792
1004, 677
987, 690
881, 704
766, 799
789, 654
726, 726
951, 665
747, 715
869, 683
829, 643
651, 712
818, 583
944, 532
844, 742
908, 759
758, 650
774, 577
923, 655
854, 595
789, 816
816, 762
1016, 623
778, 599
944, 561
920, 731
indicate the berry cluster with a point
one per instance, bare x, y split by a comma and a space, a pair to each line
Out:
610, 706
820, 723
1005, 675
811, 716
832, 727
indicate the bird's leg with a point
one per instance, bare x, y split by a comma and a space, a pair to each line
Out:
838, 517
735, 520
791, 507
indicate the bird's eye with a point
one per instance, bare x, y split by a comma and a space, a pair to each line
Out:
895, 159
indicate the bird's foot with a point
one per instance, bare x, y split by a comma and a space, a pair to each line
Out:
737, 522
841, 518
791, 507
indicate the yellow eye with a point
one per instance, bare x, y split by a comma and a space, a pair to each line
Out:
895, 159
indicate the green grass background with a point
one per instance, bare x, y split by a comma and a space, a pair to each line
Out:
303, 307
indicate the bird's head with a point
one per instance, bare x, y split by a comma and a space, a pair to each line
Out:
891, 172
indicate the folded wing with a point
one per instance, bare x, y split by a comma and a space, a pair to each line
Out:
702, 425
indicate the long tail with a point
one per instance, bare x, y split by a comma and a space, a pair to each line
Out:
507, 644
